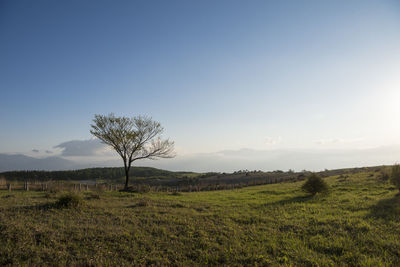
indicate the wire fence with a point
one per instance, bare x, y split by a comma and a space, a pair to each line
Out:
219, 182
141, 187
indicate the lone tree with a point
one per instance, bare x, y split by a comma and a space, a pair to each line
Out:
395, 176
133, 138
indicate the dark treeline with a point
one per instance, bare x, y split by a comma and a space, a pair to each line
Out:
108, 174
156, 177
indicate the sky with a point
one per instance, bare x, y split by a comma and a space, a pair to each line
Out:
270, 77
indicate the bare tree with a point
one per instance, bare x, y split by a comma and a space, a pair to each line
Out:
133, 138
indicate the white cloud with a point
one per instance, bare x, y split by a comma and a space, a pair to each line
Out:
339, 141
77, 148
273, 140
328, 141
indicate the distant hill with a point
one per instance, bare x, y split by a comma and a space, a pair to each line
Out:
155, 177
13, 162
93, 174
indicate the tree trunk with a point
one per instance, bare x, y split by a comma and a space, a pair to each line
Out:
127, 167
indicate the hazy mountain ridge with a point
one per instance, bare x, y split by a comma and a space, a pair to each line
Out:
99, 173
20, 162
223, 161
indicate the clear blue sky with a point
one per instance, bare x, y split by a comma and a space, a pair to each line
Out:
217, 74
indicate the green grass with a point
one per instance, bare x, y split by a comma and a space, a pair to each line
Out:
356, 224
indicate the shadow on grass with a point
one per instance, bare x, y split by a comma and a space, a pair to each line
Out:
298, 199
271, 192
45, 206
387, 209
60, 204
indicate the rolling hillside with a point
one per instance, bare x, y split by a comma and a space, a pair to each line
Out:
357, 224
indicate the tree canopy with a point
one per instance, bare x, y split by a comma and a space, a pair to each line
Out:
132, 138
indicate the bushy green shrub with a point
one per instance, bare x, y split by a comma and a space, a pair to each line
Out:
69, 200
395, 176
315, 184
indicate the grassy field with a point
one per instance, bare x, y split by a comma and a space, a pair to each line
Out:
357, 224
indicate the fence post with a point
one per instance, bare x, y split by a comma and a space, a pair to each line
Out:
27, 186
80, 187
9, 187
87, 187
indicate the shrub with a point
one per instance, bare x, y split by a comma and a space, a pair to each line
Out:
315, 184
69, 200
395, 176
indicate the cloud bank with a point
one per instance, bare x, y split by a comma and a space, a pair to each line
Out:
92, 153
268, 160
91, 147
